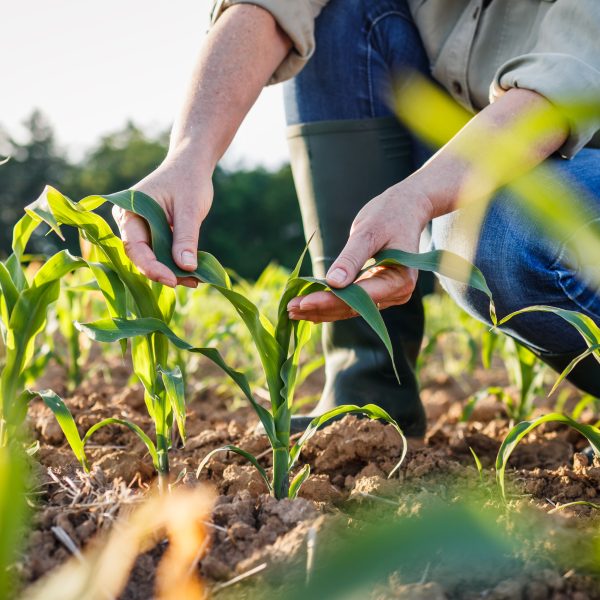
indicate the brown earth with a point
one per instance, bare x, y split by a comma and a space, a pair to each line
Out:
350, 460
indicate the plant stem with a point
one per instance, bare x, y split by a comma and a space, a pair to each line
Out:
162, 450
281, 478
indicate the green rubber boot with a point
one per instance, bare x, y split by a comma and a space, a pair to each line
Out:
338, 166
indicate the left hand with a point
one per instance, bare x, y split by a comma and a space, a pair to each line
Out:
392, 220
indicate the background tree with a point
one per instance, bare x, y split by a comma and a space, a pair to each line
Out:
255, 217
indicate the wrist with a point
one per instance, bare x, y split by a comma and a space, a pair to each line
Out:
196, 158
415, 200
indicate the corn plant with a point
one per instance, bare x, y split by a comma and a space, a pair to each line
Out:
519, 431
278, 344
13, 513
24, 302
127, 294
590, 332
525, 372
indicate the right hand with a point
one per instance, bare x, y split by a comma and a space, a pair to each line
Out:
185, 193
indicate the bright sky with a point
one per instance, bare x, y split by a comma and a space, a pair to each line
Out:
92, 65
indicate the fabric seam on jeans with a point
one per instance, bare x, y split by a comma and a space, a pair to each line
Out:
372, 25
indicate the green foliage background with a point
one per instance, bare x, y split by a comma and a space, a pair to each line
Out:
254, 220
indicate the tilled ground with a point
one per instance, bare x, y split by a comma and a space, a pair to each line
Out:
350, 460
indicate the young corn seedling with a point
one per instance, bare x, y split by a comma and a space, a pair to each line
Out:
127, 294
278, 344
24, 303
590, 333
526, 374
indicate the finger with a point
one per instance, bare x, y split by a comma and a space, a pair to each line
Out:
386, 287
136, 242
359, 248
321, 307
186, 230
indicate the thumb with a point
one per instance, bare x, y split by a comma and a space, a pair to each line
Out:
358, 249
186, 230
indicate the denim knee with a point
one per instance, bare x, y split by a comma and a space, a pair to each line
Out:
523, 267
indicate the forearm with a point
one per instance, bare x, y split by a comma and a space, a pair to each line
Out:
505, 140
236, 60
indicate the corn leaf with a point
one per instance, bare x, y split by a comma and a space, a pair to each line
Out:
175, 388
209, 271
584, 324
358, 300
236, 450
112, 330
97, 231
576, 503
519, 431
369, 410
10, 294
65, 421
446, 264
131, 426
586, 327
298, 480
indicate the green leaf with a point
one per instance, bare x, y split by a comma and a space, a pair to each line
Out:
477, 462
298, 480
591, 350
131, 426
369, 410
66, 422
236, 450
584, 324
519, 431
586, 327
56, 267
358, 300
209, 271
10, 294
27, 319
97, 231
175, 388
446, 264
112, 330
576, 503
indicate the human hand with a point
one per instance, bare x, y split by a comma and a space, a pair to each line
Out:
393, 220
184, 191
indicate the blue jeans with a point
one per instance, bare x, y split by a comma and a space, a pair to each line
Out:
360, 45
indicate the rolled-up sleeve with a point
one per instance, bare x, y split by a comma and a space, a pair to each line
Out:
564, 67
296, 18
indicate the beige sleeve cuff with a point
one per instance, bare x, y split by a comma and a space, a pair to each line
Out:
296, 18
568, 82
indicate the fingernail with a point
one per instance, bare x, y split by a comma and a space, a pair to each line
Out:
337, 275
306, 305
188, 258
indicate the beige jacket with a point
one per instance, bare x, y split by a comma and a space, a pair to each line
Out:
549, 46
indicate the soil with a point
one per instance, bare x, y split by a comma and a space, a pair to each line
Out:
349, 459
